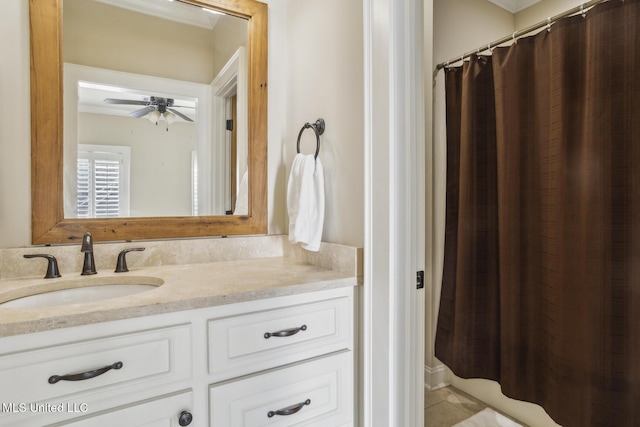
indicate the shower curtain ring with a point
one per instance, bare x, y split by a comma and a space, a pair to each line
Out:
548, 24
582, 11
513, 36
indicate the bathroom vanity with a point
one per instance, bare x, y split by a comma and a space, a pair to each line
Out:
263, 340
242, 331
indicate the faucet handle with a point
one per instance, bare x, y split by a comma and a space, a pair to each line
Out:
121, 264
52, 267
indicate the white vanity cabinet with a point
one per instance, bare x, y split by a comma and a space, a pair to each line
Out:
285, 360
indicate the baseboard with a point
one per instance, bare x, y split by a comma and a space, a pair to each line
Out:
435, 377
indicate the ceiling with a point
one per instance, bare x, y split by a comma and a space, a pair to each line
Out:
169, 9
514, 6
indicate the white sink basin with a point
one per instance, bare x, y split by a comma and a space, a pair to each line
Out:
82, 291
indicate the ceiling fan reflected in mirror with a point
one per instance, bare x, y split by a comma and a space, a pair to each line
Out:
155, 109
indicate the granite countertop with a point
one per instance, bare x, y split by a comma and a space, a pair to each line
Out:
183, 287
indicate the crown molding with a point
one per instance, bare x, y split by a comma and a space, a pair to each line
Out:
172, 10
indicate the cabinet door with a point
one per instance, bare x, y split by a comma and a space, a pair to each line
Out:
162, 412
317, 393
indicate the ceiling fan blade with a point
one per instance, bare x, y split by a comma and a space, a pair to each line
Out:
179, 114
125, 101
142, 112
171, 103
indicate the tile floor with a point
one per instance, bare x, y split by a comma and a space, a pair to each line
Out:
448, 406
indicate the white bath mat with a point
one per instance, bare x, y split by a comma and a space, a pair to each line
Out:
487, 418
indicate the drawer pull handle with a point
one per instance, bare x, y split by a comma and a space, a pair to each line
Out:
290, 410
285, 332
84, 375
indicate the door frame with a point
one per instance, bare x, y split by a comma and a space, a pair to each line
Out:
393, 307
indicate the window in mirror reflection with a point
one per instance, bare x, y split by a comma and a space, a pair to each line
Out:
164, 79
103, 181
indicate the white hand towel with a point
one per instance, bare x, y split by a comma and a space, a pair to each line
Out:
305, 202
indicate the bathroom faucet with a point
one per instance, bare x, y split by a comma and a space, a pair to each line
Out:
89, 266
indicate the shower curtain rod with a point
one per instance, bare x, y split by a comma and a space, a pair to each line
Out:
551, 20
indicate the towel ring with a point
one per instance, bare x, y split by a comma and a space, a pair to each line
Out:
318, 128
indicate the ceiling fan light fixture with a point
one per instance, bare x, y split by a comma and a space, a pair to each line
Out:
169, 117
154, 116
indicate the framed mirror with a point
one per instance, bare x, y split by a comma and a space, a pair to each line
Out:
75, 108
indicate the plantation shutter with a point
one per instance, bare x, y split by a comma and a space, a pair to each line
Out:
107, 188
84, 189
100, 185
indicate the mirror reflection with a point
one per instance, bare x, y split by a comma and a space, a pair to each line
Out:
155, 110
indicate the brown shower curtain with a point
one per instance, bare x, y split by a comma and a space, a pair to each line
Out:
541, 284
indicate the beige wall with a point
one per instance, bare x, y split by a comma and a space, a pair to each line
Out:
324, 74
461, 26
483, 22
223, 47
542, 10
160, 160
147, 45
15, 122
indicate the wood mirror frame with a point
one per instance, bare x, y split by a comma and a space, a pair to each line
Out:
47, 210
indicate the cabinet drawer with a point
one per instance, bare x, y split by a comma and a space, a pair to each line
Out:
158, 356
316, 393
162, 412
265, 339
